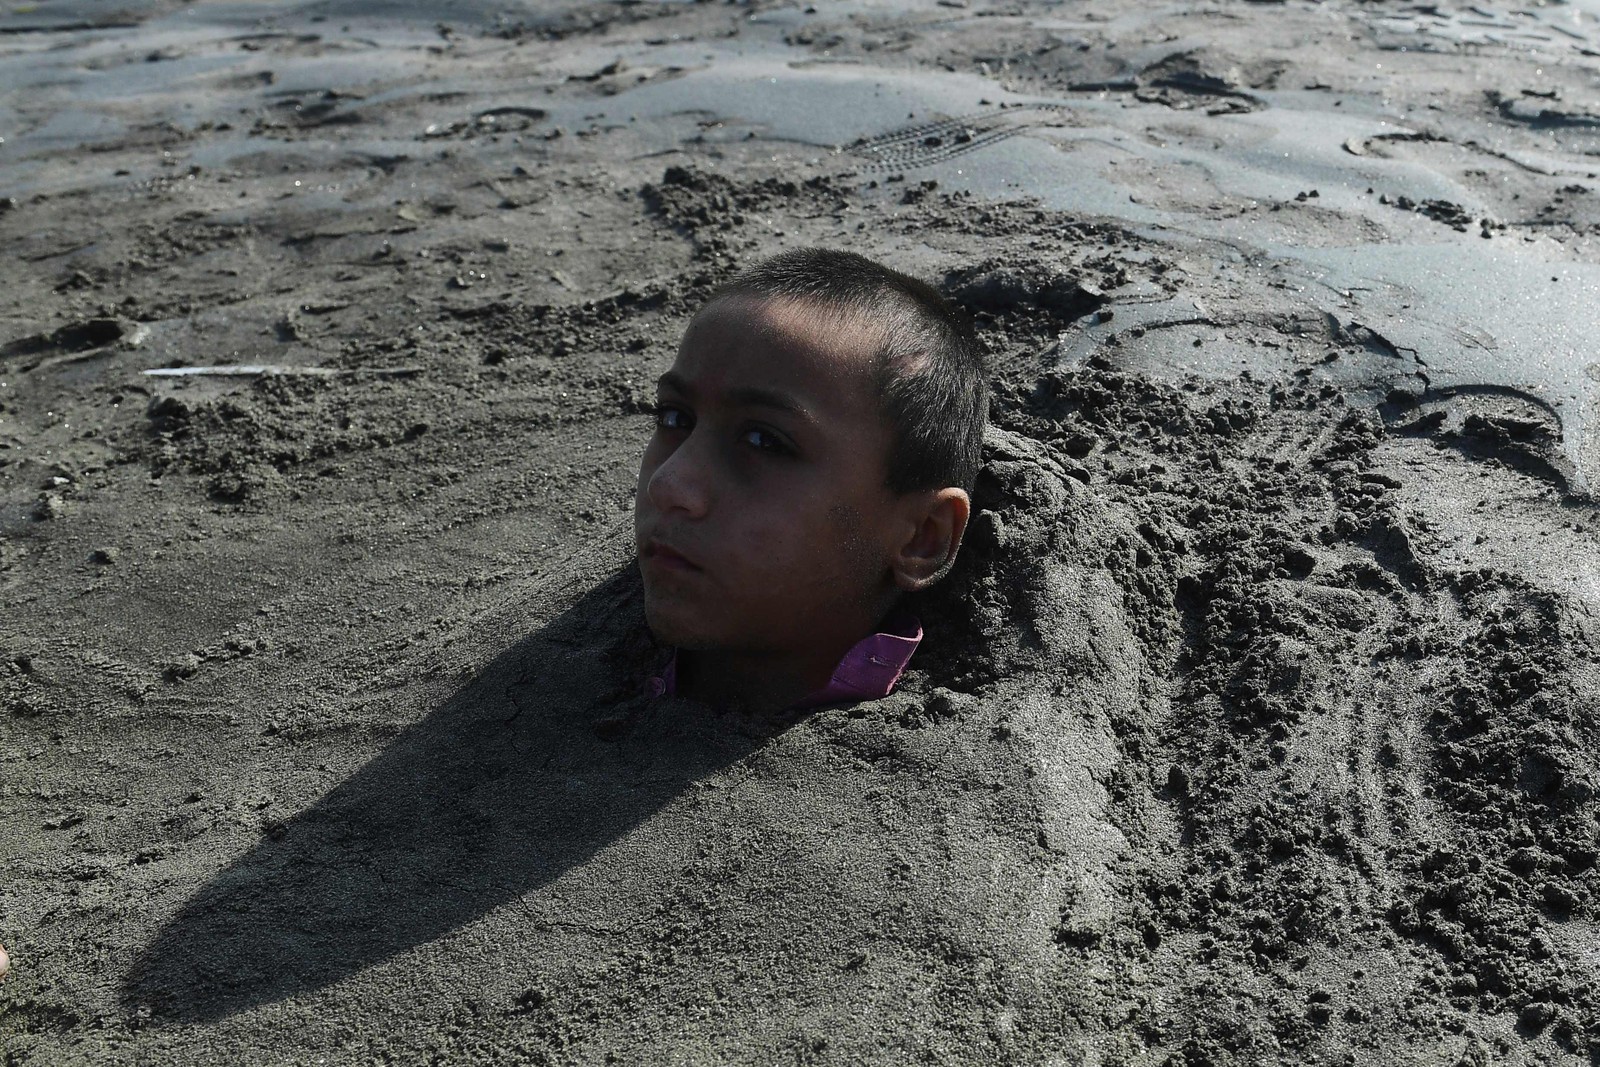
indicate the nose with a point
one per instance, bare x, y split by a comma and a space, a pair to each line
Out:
681, 483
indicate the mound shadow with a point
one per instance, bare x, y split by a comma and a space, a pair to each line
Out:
539, 760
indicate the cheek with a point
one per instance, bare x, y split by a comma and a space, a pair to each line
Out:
644, 511
807, 552
862, 553
649, 460
643, 480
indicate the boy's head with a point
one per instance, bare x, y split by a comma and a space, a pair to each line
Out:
815, 443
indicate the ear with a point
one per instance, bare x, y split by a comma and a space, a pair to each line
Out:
935, 522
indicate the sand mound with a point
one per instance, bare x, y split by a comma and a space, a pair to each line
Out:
1359, 794
1213, 749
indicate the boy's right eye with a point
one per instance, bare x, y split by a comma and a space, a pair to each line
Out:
673, 418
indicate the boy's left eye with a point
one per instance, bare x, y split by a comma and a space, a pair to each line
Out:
764, 440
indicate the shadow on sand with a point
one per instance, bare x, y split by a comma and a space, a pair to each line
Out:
506, 786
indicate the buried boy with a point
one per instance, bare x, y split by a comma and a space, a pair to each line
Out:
815, 444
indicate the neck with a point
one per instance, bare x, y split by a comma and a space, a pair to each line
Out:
753, 681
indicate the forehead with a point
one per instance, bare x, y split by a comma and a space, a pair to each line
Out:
820, 353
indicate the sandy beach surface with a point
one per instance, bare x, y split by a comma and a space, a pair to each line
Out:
1258, 724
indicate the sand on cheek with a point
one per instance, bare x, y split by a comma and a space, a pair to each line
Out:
864, 564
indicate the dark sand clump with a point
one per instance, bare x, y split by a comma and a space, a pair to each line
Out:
1257, 723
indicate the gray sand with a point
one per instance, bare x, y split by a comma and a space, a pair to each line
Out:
1258, 723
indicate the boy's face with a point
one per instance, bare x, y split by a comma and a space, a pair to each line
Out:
762, 517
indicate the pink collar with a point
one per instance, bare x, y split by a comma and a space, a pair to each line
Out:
868, 671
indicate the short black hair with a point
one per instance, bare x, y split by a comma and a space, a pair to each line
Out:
931, 369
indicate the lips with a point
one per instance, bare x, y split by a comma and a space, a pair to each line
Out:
664, 555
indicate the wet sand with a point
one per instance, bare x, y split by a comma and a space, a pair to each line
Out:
1258, 723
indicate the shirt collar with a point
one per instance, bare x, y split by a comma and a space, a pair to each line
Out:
868, 671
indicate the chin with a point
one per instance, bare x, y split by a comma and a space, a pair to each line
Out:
672, 624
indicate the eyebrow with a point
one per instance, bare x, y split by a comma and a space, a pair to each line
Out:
745, 396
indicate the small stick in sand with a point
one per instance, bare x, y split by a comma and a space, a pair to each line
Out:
5, 962
253, 370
